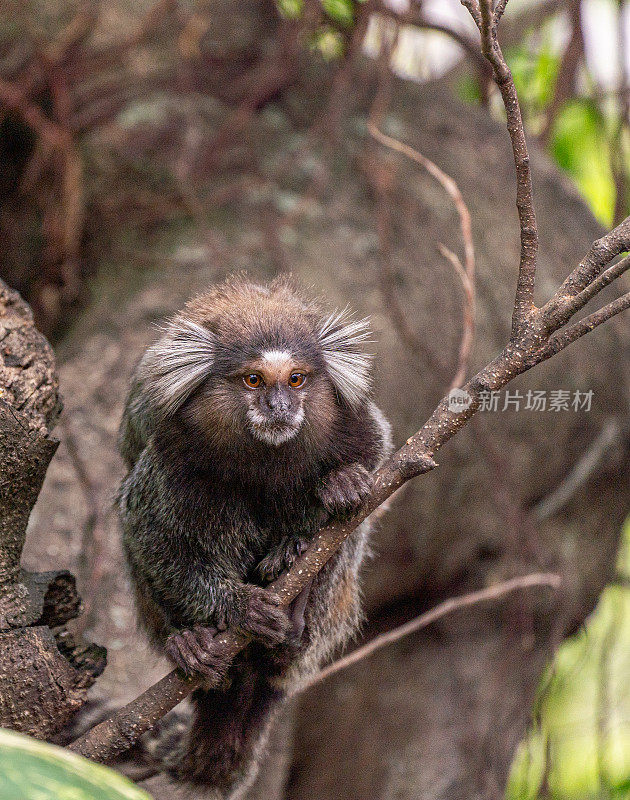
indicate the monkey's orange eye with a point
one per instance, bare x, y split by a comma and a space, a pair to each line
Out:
296, 379
252, 381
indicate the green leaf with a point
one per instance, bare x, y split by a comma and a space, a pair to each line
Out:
329, 42
341, 11
34, 770
290, 9
579, 144
534, 74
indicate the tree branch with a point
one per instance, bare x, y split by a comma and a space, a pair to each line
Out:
499, 590
466, 273
414, 17
589, 323
44, 676
487, 20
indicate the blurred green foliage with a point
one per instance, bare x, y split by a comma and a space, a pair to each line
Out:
580, 145
535, 74
34, 770
329, 42
291, 9
328, 38
340, 11
581, 137
579, 745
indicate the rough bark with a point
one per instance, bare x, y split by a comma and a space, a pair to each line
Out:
44, 676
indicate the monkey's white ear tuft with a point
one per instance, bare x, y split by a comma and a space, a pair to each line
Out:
342, 339
176, 365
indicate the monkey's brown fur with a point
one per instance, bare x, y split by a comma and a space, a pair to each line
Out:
248, 425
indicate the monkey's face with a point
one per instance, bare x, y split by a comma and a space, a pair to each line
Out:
258, 363
274, 398
274, 389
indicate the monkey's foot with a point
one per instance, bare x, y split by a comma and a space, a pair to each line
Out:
264, 618
344, 490
197, 651
281, 557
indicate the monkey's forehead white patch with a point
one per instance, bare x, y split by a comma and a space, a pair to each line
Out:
276, 358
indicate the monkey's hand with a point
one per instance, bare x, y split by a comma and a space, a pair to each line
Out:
197, 651
281, 657
263, 617
281, 557
344, 490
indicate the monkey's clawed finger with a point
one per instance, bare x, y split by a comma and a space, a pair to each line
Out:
205, 634
346, 489
281, 558
265, 619
197, 651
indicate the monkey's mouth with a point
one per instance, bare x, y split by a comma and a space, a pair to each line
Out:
274, 431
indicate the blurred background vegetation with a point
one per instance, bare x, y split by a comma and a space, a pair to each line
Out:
579, 746
571, 73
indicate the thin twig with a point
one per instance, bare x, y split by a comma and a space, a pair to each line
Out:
601, 253
420, 351
603, 280
382, 178
468, 321
465, 273
495, 592
447, 183
386, 278
569, 335
498, 10
486, 21
586, 465
414, 17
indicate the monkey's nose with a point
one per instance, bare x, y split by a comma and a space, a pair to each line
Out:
278, 402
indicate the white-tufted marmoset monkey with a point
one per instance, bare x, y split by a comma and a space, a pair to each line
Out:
249, 424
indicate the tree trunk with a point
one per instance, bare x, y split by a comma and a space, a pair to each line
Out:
44, 676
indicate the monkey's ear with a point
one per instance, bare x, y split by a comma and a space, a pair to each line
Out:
176, 365
342, 339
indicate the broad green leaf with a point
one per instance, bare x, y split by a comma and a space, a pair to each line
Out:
534, 75
34, 770
579, 144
